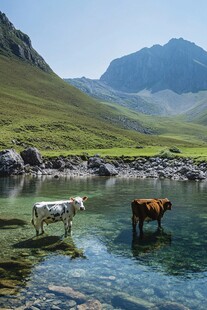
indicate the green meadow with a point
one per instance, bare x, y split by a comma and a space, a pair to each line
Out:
40, 109
197, 153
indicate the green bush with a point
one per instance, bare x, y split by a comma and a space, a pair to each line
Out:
166, 154
174, 149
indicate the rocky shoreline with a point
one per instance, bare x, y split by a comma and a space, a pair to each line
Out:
30, 162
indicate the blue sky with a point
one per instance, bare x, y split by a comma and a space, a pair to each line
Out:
81, 37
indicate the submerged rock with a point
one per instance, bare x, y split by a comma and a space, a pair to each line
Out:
67, 248
126, 301
68, 291
92, 304
171, 306
13, 273
53, 244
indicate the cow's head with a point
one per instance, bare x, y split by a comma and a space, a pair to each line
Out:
78, 202
167, 204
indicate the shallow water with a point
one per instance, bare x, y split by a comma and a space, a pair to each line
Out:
112, 264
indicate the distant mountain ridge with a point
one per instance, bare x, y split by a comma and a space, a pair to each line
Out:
14, 42
162, 103
99, 90
161, 80
179, 65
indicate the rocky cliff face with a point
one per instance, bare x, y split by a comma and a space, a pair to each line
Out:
179, 65
15, 43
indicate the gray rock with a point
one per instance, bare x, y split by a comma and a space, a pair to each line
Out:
10, 162
107, 170
95, 162
54, 307
192, 175
71, 304
32, 156
48, 164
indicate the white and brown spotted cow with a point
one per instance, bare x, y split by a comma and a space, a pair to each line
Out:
54, 211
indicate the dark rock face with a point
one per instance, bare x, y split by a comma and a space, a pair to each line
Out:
10, 162
179, 65
14, 42
32, 156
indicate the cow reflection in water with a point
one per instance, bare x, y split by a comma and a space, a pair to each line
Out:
151, 241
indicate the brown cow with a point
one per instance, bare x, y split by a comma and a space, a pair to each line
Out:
148, 209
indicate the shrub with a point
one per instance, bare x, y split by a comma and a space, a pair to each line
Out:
166, 154
174, 149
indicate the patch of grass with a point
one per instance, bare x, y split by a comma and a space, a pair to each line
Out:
198, 153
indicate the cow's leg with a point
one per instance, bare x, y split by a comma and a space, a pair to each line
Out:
37, 231
70, 226
41, 227
141, 223
159, 224
37, 227
134, 222
65, 221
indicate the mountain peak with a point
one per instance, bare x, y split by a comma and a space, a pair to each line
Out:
177, 40
5, 20
14, 42
179, 65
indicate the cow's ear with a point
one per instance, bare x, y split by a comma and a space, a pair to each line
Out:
71, 198
85, 198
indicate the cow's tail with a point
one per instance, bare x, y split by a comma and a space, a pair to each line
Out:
134, 208
33, 215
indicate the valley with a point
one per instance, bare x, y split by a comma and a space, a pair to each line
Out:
39, 109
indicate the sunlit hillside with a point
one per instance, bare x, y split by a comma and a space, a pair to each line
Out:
39, 109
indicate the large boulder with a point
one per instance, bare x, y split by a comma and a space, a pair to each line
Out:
10, 162
95, 162
32, 156
107, 170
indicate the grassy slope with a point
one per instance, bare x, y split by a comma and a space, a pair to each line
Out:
198, 114
39, 109
170, 127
